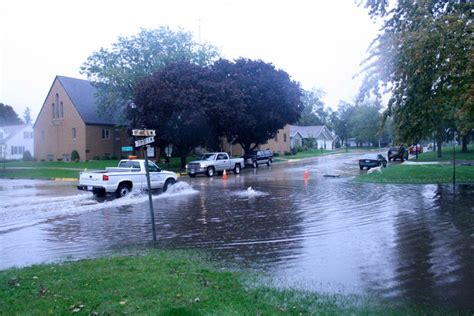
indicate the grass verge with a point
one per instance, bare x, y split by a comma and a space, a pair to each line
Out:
164, 283
447, 154
419, 174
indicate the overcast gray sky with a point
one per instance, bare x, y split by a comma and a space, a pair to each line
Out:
319, 43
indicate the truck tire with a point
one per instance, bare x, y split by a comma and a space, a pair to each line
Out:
210, 171
123, 189
237, 169
192, 175
169, 182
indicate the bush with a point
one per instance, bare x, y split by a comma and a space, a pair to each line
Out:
75, 156
27, 156
287, 153
96, 158
113, 157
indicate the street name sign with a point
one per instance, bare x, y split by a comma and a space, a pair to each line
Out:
144, 141
143, 132
127, 148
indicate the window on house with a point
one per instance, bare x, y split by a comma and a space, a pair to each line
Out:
28, 135
105, 133
61, 109
57, 105
284, 137
50, 157
54, 110
73, 133
276, 137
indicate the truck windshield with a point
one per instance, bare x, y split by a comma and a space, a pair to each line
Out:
208, 157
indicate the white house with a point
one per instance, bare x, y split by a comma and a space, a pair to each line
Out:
318, 136
15, 140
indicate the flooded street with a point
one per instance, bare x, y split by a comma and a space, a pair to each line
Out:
403, 243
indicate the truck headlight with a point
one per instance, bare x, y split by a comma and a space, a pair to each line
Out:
186, 166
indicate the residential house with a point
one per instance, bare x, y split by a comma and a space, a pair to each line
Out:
318, 136
280, 144
15, 140
69, 121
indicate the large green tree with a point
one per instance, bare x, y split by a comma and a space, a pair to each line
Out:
268, 100
8, 116
177, 102
423, 56
314, 112
117, 70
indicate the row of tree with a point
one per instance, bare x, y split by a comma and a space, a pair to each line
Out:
190, 97
423, 57
359, 121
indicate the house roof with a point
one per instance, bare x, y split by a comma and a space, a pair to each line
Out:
83, 95
311, 131
11, 131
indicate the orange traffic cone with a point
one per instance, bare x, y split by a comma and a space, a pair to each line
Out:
224, 175
306, 174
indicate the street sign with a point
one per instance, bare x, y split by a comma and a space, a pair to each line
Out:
143, 132
144, 141
127, 148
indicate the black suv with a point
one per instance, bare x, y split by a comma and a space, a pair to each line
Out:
397, 152
258, 157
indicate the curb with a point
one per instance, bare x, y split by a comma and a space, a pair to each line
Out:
65, 179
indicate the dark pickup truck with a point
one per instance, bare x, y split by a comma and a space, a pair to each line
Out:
258, 157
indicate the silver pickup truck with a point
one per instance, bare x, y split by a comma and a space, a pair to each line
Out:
211, 163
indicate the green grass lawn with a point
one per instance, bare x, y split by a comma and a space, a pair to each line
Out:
164, 283
420, 174
38, 173
447, 154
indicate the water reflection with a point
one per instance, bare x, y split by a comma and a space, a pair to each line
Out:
403, 243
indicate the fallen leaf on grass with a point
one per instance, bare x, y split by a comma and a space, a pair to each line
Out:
76, 308
42, 290
123, 302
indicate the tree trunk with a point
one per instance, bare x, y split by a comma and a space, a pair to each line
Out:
183, 160
439, 141
464, 144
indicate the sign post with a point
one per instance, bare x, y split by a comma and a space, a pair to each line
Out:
144, 144
150, 200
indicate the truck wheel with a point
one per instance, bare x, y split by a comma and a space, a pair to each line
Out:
168, 183
237, 169
123, 190
361, 168
254, 164
192, 175
210, 171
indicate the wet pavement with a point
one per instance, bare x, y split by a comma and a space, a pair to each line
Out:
402, 243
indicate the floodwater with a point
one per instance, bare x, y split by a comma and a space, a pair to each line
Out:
401, 243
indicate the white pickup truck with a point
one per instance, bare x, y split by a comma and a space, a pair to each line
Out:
211, 163
129, 174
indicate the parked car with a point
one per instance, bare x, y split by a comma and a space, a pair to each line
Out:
372, 160
416, 149
129, 174
258, 157
211, 163
397, 152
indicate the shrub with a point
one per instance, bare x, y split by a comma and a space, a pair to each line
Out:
96, 158
287, 153
113, 157
75, 155
27, 156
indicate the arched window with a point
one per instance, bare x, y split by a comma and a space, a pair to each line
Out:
54, 111
57, 105
62, 109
